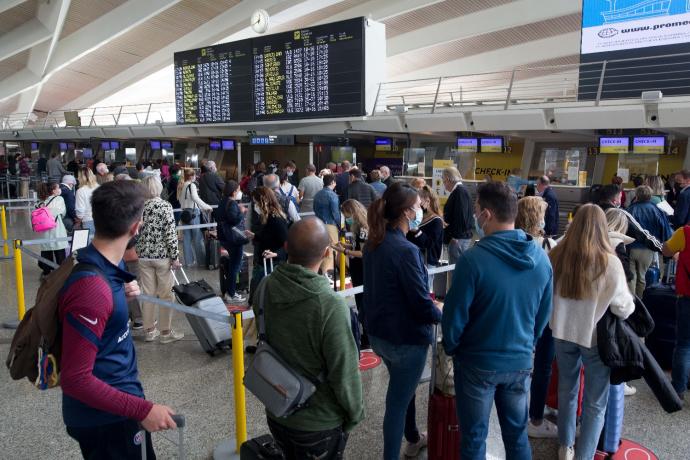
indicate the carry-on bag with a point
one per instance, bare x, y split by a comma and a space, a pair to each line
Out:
261, 448
192, 292
552, 394
660, 300
443, 426
180, 421
212, 335
613, 420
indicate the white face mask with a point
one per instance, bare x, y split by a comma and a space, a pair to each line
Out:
290, 173
238, 195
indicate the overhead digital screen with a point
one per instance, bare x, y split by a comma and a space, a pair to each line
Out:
227, 144
311, 72
167, 145
467, 145
34, 146
155, 145
63, 146
631, 24
214, 145
653, 145
307, 73
383, 144
214, 84
87, 153
491, 144
272, 140
614, 145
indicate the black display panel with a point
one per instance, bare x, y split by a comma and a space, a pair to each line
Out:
313, 72
214, 84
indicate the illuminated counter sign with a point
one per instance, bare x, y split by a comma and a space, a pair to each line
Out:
384, 144
467, 145
614, 145
491, 145
653, 145
272, 140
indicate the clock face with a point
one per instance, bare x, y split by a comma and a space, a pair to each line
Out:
259, 21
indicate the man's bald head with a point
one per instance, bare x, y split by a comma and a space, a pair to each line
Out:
307, 241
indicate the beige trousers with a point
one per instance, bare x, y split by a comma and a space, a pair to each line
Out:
155, 279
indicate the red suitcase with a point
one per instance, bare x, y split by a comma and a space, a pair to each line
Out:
442, 426
552, 394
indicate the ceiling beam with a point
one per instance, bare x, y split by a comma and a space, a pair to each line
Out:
233, 21
501, 59
380, 10
482, 22
9, 4
22, 38
89, 38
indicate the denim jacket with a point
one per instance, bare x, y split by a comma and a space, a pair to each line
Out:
327, 207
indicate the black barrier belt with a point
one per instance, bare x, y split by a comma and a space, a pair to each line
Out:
49, 263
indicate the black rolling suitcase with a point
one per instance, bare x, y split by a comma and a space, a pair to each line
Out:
261, 448
660, 300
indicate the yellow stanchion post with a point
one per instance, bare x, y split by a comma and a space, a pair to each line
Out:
229, 449
3, 227
238, 381
342, 266
21, 307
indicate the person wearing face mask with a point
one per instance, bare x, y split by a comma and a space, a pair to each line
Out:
494, 313
291, 173
230, 218
399, 313
356, 221
49, 196
428, 233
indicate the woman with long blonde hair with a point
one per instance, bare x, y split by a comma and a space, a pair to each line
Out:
82, 202
192, 205
588, 279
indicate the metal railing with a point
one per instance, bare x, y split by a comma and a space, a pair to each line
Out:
587, 82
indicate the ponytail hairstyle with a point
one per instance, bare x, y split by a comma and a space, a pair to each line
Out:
388, 211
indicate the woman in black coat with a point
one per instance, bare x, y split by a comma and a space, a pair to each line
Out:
230, 217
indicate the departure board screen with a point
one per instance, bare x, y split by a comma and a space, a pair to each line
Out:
313, 72
214, 84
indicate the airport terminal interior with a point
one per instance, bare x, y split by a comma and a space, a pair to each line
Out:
262, 108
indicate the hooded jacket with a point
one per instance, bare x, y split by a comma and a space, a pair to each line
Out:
499, 302
309, 325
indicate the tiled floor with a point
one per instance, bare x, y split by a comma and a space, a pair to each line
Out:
184, 377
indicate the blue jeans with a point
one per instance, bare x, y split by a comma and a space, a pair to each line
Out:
681, 352
456, 248
543, 360
232, 269
476, 390
192, 242
571, 357
90, 226
405, 364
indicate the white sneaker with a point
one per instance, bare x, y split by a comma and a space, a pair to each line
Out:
545, 429
412, 450
172, 336
238, 298
153, 335
628, 390
566, 453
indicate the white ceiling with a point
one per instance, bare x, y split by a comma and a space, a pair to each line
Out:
58, 54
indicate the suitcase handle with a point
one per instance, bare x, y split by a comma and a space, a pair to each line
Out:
179, 420
177, 283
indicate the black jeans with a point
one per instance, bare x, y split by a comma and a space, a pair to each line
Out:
309, 445
115, 441
57, 256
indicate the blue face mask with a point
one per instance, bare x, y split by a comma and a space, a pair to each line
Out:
478, 228
416, 222
348, 220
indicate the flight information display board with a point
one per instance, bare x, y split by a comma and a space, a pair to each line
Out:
214, 84
313, 72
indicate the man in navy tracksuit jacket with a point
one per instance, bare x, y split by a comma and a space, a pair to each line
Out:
494, 313
103, 401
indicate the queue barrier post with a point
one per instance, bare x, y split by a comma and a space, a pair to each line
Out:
230, 448
19, 277
341, 266
3, 227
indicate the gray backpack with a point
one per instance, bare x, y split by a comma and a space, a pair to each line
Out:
271, 379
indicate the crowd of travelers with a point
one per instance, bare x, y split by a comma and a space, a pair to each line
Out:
525, 294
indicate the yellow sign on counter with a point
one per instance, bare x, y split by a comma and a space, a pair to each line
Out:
437, 179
